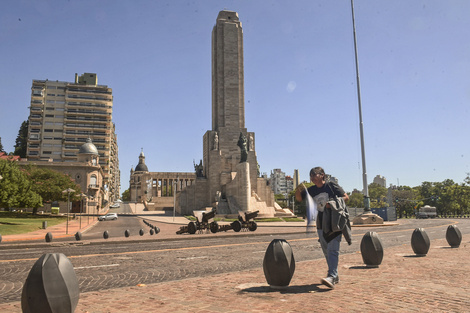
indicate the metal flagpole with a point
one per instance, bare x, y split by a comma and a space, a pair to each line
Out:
361, 124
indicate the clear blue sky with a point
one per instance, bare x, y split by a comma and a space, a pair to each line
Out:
300, 80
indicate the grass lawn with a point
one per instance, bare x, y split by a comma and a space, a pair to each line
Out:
20, 223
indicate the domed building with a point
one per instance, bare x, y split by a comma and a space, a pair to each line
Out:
141, 167
85, 172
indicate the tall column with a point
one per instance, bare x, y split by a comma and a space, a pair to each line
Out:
228, 103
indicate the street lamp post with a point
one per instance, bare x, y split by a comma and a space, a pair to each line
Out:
361, 124
81, 208
174, 198
68, 191
135, 208
367, 217
88, 210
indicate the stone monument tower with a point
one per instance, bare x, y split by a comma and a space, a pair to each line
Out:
230, 179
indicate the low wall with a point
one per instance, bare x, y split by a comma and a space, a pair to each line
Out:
159, 203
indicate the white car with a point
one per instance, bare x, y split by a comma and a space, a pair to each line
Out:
109, 216
115, 205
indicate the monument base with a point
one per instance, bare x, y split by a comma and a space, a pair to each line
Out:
367, 218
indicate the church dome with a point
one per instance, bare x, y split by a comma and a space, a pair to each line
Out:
141, 167
88, 148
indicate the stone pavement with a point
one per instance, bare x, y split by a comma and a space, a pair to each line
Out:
403, 282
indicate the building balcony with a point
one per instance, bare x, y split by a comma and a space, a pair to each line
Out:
93, 186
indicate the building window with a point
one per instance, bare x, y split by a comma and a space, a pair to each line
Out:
93, 180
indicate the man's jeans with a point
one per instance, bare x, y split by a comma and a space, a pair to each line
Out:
331, 252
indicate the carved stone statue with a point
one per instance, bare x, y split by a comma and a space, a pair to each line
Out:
252, 143
243, 149
199, 169
216, 142
217, 196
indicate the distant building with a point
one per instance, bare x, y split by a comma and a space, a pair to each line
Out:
63, 115
296, 178
380, 180
280, 182
331, 178
289, 184
85, 172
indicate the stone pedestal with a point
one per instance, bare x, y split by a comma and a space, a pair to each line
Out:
244, 186
367, 218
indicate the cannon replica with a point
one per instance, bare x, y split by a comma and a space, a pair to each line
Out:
203, 222
245, 222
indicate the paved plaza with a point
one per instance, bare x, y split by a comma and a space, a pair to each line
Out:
403, 283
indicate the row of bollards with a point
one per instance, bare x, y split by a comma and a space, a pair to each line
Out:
78, 235
279, 263
372, 251
52, 285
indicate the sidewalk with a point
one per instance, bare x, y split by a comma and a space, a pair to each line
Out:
61, 230
403, 283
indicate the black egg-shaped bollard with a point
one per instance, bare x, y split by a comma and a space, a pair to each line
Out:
127, 233
51, 286
371, 249
105, 234
141, 232
157, 230
152, 231
420, 242
78, 236
279, 264
49, 237
453, 236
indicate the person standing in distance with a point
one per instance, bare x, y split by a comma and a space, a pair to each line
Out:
321, 193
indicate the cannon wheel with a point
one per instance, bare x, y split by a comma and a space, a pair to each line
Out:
214, 227
252, 226
237, 226
192, 228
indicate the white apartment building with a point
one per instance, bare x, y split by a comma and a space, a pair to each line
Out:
63, 115
280, 183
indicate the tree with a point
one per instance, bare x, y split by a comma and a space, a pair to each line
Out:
1, 146
300, 207
16, 188
280, 200
406, 200
22, 140
126, 195
356, 199
378, 195
50, 184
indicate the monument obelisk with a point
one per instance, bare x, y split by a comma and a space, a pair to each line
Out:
228, 182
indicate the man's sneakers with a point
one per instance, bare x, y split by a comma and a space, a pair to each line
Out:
330, 281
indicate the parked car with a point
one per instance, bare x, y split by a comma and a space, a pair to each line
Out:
115, 205
109, 216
